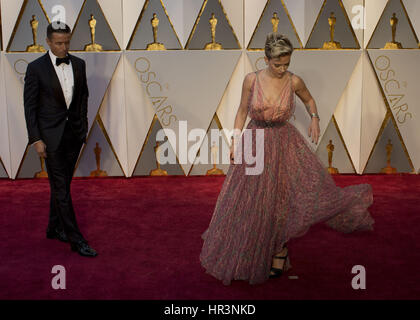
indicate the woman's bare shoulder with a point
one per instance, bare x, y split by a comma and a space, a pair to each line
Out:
297, 82
249, 79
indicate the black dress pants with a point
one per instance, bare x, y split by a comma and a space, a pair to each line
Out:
60, 167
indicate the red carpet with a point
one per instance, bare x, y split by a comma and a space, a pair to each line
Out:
147, 232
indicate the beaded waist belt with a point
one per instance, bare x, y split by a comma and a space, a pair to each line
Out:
263, 123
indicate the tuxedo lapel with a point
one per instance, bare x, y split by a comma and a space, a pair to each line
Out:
76, 76
55, 83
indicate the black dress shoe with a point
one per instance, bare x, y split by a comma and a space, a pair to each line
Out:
57, 234
83, 249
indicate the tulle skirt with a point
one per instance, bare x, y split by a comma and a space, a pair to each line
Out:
255, 215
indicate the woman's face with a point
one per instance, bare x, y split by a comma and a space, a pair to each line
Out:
278, 66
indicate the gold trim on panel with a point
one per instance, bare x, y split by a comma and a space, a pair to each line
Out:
141, 18
107, 23
389, 114
198, 20
259, 22
343, 9
343, 142
18, 22
105, 133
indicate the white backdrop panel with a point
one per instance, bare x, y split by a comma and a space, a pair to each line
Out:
9, 15
185, 91
15, 70
398, 72
113, 115
4, 125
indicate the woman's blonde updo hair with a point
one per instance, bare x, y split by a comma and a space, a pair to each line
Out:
277, 45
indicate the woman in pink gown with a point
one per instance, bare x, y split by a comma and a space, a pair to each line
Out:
256, 215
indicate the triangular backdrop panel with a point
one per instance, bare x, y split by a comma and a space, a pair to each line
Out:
65, 11
356, 12
326, 87
215, 138
30, 165
378, 158
285, 25
178, 92
347, 115
99, 71
9, 15
383, 32
22, 37
15, 66
139, 109
143, 33
201, 34
113, 114
147, 160
226, 112
183, 14
3, 173
343, 29
108, 161
4, 125
398, 71
413, 8
340, 158
374, 110
82, 33
373, 12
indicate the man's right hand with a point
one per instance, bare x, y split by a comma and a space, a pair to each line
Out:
41, 148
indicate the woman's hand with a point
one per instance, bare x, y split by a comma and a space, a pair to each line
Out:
314, 130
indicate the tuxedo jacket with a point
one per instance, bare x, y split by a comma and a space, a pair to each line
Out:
46, 110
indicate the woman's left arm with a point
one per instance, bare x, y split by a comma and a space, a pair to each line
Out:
303, 93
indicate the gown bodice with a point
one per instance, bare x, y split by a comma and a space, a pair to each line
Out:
262, 110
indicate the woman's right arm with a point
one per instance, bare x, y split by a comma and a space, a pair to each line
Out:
243, 107
242, 111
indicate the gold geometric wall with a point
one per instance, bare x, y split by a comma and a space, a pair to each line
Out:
366, 95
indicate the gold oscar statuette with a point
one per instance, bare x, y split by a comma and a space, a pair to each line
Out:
332, 45
330, 148
155, 45
214, 171
388, 169
275, 22
158, 171
98, 172
35, 47
42, 173
393, 44
213, 45
93, 46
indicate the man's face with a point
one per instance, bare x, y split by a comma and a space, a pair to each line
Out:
59, 44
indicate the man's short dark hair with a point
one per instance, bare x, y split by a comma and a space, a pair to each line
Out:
57, 27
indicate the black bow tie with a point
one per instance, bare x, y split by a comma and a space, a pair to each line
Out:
65, 60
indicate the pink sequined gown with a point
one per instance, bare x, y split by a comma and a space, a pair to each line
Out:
255, 215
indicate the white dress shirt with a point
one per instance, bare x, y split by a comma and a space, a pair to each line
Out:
65, 76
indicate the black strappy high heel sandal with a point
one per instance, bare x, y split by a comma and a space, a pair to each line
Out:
277, 272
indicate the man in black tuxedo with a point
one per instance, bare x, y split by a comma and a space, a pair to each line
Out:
55, 100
